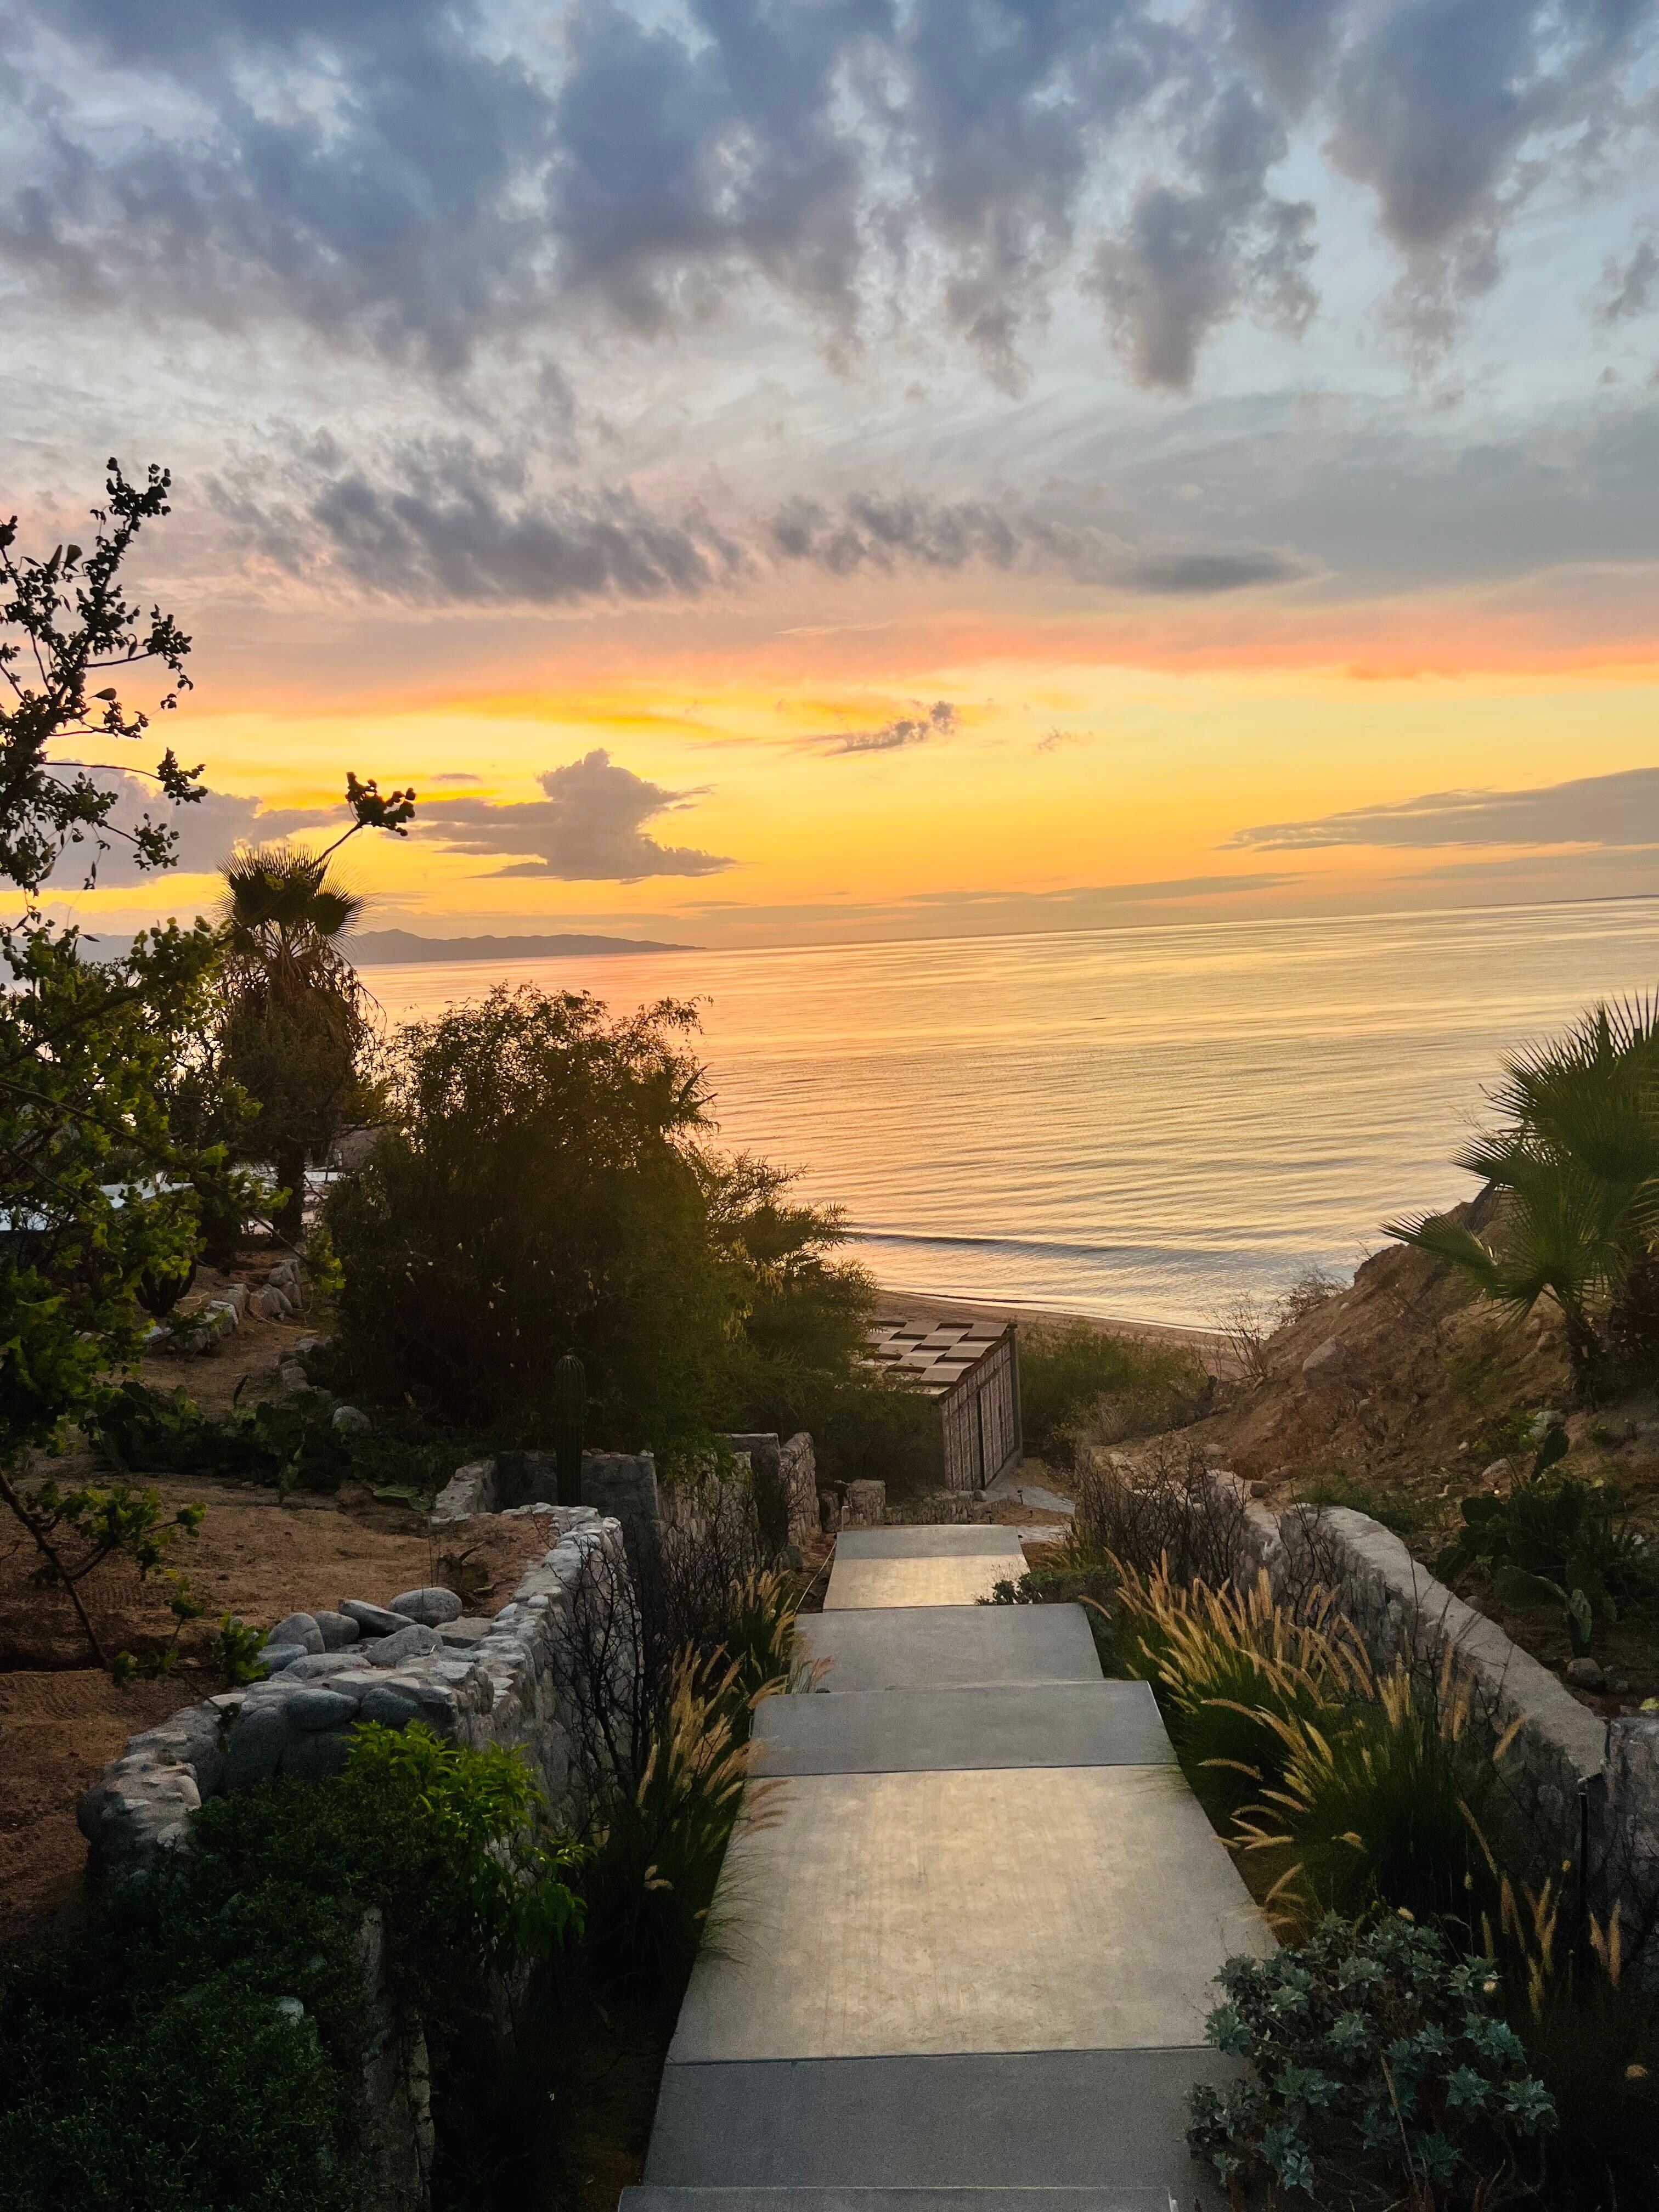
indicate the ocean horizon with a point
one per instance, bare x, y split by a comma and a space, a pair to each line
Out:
1142, 1123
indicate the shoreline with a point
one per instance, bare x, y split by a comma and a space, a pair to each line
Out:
1200, 1340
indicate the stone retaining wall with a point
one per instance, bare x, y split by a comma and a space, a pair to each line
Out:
1577, 1775
621, 1484
624, 1485
476, 1682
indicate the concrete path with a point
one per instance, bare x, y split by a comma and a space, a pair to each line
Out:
968, 1927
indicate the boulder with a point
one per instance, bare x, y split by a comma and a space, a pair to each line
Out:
413, 1641
372, 1620
1542, 1423
1328, 1367
338, 1629
299, 1628
270, 1304
255, 1747
1584, 1674
316, 1756
350, 1421
1495, 1476
389, 1705
292, 1376
321, 1708
431, 1606
467, 1632
276, 1657
319, 1666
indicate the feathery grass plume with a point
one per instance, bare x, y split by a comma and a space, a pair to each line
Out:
652, 1873
1239, 1673
1380, 1802
1592, 2037
761, 1636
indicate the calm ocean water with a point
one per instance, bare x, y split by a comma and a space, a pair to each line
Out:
1134, 1123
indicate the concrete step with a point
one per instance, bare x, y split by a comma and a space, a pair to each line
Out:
949, 1646
649, 2199
1011, 1725
977, 2123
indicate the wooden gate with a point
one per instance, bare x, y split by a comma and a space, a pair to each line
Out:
981, 1417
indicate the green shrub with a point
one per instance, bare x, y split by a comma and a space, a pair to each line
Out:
202, 2046
1553, 1542
288, 1441
1376, 2055
1067, 1368
236, 1651
548, 1187
1594, 2044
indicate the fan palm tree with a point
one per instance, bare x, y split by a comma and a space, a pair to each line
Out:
1577, 1160
293, 1023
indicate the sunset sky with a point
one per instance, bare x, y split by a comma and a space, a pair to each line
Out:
837, 469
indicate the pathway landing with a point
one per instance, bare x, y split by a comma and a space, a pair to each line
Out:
966, 1937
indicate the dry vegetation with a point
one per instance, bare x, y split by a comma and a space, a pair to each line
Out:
1425, 1404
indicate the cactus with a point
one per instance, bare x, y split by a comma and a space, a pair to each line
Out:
569, 1407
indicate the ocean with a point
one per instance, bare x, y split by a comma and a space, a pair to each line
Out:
1139, 1122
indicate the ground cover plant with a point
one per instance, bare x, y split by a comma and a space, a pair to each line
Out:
1383, 2073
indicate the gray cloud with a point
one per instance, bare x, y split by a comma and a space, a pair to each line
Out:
206, 830
420, 176
883, 533
1288, 44
1202, 574
1442, 107
938, 721
1608, 810
589, 828
1631, 288
1189, 255
445, 523
879, 532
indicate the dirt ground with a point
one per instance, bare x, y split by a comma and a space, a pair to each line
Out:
62, 1720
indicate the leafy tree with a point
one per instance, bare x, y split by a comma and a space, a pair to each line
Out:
548, 1186
98, 1191
1575, 1159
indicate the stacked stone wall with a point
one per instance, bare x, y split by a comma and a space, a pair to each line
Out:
478, 1682
1579, 1782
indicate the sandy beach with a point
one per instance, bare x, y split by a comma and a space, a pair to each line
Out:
1208, 1343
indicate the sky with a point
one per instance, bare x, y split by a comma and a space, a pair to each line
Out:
770, 472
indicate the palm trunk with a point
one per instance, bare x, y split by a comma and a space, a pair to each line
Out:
289, 1222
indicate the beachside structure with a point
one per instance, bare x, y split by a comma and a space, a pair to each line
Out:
972, 1367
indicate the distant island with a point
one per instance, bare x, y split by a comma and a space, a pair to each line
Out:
381, 948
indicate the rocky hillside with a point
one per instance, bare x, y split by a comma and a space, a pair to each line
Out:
1405, 1393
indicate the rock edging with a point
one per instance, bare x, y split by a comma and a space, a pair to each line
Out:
499, 1687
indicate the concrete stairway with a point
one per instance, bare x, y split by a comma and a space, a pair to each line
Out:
967, 1929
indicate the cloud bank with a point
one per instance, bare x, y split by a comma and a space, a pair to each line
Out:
1610, 811
420, 177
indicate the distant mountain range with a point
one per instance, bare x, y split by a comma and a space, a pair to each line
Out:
380, 948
